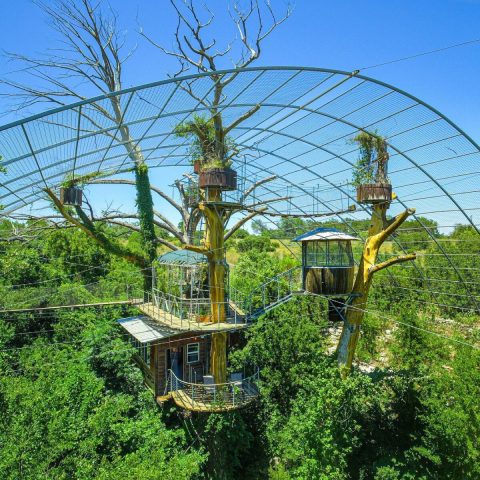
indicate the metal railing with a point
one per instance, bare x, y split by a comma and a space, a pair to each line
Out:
210, 397
187, 310
240, 308
273, 292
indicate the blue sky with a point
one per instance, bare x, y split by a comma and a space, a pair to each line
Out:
341, 34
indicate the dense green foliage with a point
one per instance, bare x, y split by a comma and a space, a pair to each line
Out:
203, 141
371, 165
146, 223
79, 410
74, 405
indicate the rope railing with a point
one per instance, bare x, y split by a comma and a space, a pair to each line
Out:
214, 396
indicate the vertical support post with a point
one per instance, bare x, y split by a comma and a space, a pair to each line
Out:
215, 245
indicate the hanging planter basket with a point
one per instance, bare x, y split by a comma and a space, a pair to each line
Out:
374, 193
221, 178
71, 196
196, 166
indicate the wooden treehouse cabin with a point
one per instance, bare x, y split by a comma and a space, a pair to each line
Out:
173, 336
328, 267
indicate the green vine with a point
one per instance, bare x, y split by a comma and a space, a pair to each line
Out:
145, 212
203, 143
372, 163
72, 180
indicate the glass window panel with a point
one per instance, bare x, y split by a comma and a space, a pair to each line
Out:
340, 253
315, 254
193, 352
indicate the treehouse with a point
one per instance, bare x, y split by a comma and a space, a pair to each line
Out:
328, 266
173, 337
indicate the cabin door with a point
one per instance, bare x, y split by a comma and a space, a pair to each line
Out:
175, 361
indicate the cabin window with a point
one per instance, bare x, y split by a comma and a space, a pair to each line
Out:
316, 254
193, 352
143, 349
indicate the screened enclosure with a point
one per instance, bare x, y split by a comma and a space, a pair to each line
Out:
181, 285
328, 265
330, 253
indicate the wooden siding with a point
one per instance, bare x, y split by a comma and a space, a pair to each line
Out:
189, 369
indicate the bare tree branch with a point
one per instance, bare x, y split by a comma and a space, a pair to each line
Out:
242, 222
132, 182
391, 261
159, 240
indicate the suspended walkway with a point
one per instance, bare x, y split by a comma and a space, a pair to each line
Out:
276, 291
210, 397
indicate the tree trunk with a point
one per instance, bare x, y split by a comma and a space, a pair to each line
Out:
378, 232
215, 245
145, 213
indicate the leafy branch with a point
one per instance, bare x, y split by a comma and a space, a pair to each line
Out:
372, 163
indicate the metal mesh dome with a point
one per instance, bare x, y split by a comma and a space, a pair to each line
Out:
302, 133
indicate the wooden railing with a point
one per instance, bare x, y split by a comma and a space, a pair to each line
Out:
212, 397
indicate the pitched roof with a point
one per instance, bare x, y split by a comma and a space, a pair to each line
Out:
324, 234
182, 257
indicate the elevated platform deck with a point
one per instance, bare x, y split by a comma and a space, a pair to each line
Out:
189, 324
183, 400
198, 397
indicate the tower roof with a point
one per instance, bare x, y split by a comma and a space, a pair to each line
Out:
324, 234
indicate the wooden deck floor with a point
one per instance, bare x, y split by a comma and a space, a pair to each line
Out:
185, 324
183, 400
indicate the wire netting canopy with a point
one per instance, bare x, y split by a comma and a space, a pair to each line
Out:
302, 134
182, 258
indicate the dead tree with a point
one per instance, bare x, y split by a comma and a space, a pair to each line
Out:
91, 56
196, 50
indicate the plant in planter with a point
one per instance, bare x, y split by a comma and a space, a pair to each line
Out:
370, 171
210, 155
71, 189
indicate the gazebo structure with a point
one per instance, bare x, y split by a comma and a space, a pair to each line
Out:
327, 261
181, 285
328, 266
296, 138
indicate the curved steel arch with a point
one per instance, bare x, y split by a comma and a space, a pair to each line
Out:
333, 79
279, 105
